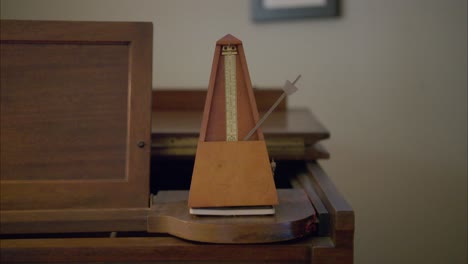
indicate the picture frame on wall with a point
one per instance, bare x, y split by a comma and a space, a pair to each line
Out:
270, 10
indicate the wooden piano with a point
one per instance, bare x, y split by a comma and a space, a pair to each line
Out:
96, 168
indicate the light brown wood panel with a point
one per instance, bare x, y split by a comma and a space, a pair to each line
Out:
232, 174
75, 101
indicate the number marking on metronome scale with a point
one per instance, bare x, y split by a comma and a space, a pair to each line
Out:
229, 53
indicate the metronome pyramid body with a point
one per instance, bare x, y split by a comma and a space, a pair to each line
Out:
230, 171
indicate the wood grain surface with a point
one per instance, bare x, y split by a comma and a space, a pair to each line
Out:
232, 174
75, 102
52, 118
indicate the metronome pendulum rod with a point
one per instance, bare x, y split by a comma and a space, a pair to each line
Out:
229, 52
288, 89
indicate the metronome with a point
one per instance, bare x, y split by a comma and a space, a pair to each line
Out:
232, 173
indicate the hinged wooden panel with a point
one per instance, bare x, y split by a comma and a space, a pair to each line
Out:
75, 114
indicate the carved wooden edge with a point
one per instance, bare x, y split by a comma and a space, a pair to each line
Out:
65, 221
294, 218
341, 213
165, 99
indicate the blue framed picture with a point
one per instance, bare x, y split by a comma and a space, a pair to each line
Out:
267, 10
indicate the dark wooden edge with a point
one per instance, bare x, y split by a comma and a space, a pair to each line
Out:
139, 117
321, 151
302, 181
165, 99
160, 148
61, 32
65, 221
133, 249
341, 213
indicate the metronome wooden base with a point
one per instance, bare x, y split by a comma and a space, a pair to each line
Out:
236, 173
294, 218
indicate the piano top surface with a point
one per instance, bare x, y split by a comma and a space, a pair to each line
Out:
296, 121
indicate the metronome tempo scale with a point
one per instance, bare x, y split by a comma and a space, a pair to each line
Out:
229, 53
232, 176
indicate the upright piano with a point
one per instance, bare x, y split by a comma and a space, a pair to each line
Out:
96, 166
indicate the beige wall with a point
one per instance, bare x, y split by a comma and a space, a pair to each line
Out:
388, 78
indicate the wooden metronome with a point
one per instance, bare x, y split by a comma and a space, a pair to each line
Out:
231, 172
